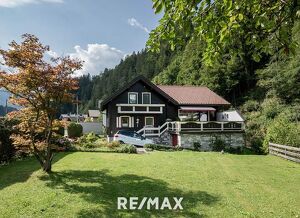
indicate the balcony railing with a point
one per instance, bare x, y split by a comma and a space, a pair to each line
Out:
211, 126
182, 127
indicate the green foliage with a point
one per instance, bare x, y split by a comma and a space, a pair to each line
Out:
283, 131
158, 147
88, 140
197, 146
124, 148
74, 130
218, 145
251, 29
7, 149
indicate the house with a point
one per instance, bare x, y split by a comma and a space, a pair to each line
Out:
73, 117
177, 115
94, 115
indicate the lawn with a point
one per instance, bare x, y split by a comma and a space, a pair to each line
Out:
212, 185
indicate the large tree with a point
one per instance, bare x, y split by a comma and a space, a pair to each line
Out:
249, 29
40, 87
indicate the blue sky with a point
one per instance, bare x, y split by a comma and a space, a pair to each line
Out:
100, 32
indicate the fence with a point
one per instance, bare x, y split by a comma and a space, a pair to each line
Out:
287, 152
92, 127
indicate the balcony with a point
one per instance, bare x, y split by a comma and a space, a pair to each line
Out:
140, 108
211, 126
178, 127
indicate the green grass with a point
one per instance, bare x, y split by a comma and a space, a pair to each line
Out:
212, 185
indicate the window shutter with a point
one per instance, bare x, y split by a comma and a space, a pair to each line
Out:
118, 122
129, 120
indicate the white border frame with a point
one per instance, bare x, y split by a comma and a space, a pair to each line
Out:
137, 97
143, 97
152, 119
129, 121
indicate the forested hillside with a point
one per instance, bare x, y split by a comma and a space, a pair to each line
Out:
144, 63
256, 69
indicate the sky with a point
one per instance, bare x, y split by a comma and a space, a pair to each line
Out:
99, 32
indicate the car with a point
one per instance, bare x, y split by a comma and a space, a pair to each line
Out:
131, 137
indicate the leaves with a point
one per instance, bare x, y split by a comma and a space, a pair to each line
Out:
224, 24
39, 88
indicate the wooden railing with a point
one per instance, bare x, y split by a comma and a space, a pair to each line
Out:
178, 126
284, 151
206, 126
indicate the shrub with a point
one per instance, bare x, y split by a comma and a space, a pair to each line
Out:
283, 131
160, 147
218, 145
233, 150
74, 130
6, 147
124, 148
88, 138
197, 146
114, 144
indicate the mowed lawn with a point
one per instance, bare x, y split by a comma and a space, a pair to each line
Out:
212, 185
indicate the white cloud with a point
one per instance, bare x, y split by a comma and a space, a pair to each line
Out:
16, 3
133, 22
52, 54
96, 58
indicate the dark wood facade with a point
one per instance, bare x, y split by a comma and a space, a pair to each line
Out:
161, 108
169, 110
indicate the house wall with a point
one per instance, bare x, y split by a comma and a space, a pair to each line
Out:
169, 111
235, 139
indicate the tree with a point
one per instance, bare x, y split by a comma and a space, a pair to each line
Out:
40, 87
248, 29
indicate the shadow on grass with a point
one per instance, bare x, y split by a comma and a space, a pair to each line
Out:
20, 170
102, 190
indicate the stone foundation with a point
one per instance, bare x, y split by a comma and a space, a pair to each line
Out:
207, 139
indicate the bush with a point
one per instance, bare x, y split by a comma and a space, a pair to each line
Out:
88, 138
234, 150
218, 145
282, 131
197, 146
7, 149
124, 148
74, 130
150, 147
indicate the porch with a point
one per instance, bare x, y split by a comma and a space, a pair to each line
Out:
177, 127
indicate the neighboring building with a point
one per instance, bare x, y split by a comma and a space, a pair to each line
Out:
73, 117
94, 115
179, 115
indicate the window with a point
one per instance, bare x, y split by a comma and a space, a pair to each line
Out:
124, 121
149, 121
146, 98
132, 98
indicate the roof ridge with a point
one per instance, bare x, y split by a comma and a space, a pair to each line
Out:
194, 86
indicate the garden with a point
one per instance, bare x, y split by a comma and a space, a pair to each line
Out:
87, 184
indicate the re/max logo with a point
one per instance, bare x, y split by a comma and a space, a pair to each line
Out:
135, 203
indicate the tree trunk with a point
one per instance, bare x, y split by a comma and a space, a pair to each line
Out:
47, 165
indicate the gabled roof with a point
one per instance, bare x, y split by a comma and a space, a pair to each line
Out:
137, 79
178, 95
193, 95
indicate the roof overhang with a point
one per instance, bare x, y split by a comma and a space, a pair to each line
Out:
197, 109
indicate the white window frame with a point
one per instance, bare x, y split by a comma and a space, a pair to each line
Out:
152, 121
130, 122
143, 93
137, 97
121, 124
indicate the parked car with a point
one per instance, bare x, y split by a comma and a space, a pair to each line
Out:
131, 137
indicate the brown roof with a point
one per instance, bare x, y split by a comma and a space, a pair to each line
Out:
193, 95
